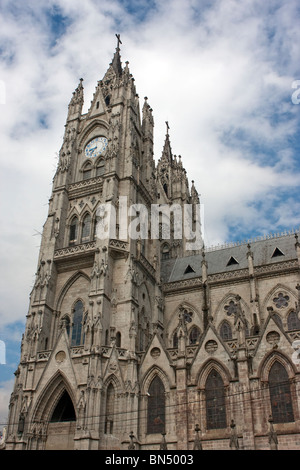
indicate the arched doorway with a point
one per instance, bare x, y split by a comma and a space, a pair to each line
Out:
61, 428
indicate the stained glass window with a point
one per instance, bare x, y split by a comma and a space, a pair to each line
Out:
175, 340
86, 228
100, 169
215, 401
225, 331
280, 394
73, 231
87, 172
281, 300
293, 321
77, 324
188, 316
156, 407
194, 335
231, 308
110, 407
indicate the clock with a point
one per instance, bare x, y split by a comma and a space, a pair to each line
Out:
95, 147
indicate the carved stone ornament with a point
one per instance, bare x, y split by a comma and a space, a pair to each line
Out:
155, 352
273, 338
211, 346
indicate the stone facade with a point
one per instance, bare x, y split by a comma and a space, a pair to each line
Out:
184, 349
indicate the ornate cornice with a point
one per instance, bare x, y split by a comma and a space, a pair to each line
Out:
73, 250
230, 276
86, 187
276, 267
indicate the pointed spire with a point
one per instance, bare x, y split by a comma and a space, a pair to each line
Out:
77, 97
194, 194
76, 103
167, 151
147, 122
116, 62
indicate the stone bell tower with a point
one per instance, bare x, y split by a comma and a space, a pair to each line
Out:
92, 307
97, 301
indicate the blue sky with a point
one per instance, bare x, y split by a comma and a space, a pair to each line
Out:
221, 72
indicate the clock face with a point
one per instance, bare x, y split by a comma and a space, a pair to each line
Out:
95, 147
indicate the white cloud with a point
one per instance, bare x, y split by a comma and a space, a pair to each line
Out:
220, 73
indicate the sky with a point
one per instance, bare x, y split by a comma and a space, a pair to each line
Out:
225, 74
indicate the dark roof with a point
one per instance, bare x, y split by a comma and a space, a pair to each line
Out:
265, 252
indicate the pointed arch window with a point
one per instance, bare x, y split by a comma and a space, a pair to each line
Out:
100, 168
280, 394
165, 252
86, 228
215, 401
73, 231
109, 410
194, 335
106, 338
143, 330
87, 171
156, 407
77, 336
293, 321
118, 339
225, 331
175, 340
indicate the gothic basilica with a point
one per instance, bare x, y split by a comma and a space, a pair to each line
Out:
139, 338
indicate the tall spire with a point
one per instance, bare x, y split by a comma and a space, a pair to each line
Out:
167, 151
76, 103
116, 62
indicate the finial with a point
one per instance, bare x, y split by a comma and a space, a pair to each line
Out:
163, 445
119, 41
273, 440
131, 445
234, 442
197, 441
